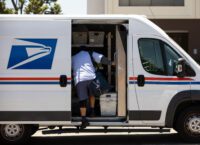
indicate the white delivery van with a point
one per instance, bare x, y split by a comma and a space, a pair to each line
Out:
155, 83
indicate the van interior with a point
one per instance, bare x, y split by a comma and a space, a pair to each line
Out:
109, 39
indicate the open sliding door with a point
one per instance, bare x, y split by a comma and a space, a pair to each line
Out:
120, 74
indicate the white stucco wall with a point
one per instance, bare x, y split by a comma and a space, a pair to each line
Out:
75, 7
191, 10
95, 6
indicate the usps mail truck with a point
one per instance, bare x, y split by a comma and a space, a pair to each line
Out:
155, 83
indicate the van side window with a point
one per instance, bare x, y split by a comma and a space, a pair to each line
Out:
171, 59
151, 56
159, 58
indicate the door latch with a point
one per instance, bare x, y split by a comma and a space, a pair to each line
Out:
140, 80
63, 80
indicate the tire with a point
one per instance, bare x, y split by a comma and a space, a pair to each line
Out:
188, 124
15, 133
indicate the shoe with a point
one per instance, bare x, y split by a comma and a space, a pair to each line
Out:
84, 124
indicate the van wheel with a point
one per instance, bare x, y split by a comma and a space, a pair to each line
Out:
15, 133
188, 124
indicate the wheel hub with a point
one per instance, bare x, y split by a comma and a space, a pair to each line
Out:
194, 124
12, 132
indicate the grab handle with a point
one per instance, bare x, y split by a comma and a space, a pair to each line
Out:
140, 80
63, 80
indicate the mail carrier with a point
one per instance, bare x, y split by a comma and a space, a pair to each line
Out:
155, 83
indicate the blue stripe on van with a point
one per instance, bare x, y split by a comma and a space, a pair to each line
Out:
195, 83
167, 83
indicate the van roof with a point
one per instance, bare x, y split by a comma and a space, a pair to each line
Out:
73, 17
77, 19
113, 16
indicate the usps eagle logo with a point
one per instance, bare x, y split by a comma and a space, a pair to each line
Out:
32, 54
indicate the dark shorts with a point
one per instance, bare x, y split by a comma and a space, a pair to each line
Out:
83, 90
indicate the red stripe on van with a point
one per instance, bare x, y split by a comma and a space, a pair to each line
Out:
132, 78
162, 79
28, 79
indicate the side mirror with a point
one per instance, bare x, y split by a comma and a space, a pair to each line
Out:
180, 67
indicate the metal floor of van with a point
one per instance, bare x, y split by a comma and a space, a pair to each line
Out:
100, 119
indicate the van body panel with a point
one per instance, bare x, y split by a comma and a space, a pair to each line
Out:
31, 55
159, 90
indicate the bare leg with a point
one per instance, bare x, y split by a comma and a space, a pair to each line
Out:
92, 101
83, 111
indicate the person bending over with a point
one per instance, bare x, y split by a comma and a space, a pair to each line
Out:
84, 74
